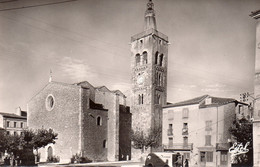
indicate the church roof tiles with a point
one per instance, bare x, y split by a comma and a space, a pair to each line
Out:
10, 115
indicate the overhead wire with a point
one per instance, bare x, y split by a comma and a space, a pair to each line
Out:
74, 32
116, 54
34, 6
8, 1
92, 45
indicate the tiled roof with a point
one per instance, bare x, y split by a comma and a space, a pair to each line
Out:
104, 88
84, 84
8, 115
215, 101
118, 92
196, 100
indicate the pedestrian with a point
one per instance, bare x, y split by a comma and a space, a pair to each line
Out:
178, 163
12, 160
186, 163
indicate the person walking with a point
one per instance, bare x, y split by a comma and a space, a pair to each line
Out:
186, 163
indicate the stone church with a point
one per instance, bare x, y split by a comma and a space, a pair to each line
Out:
95, 121
92, 121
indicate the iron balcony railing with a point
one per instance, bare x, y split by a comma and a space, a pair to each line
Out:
179, 146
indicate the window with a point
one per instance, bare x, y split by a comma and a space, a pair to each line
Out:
21, 133
99, 121
223, 157
208, 101
186, 156
15, 133
21, 124
104, 144
161, 60
240, 109
170, 142
158, 99
7, 132
208, 140
209, 156
7, 124
202, 156
185, 113
141, 99
49, 152
137, 59
156, 58
185, 125
170, 115
14, 124
206, 156
49, 102
185, 129
170, 126
208, 125
159, 80
185, 141
156, 78
145, 61
170, 130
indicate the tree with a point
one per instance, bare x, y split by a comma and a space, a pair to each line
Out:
32, 139
242, 132
142, 140
2, 141
42, 138
38, 139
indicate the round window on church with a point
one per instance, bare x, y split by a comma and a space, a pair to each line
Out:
49, 102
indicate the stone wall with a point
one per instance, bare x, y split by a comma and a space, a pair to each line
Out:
95, 136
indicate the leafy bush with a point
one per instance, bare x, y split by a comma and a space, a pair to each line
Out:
79, 159
53, 159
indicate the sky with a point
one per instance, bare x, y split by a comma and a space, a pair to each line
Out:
211, 51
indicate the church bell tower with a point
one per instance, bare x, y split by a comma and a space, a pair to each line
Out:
149, 58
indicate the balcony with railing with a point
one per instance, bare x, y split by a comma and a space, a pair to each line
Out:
179, 146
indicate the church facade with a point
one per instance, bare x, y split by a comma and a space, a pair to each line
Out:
87, 120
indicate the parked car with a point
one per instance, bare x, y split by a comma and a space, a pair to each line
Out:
164, 159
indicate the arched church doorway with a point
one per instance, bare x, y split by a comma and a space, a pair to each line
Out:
50, 152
